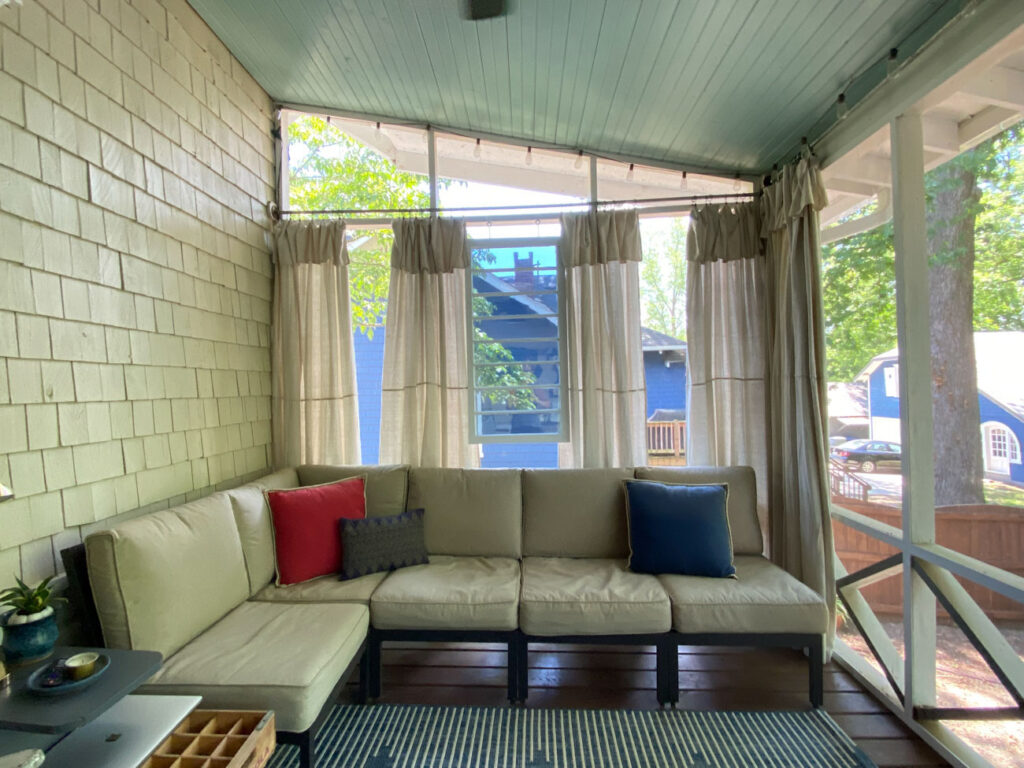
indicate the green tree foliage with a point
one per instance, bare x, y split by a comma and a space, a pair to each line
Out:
330, 170
858, 273
663, 282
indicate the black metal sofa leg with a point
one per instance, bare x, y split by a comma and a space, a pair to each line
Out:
815, 658
512, 668
371, 664
668, 672
307, 749
522, 669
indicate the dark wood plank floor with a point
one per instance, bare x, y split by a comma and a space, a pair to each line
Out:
613, 677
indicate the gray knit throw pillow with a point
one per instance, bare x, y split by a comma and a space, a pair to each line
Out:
382, 543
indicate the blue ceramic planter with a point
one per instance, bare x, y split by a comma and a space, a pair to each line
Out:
25, 642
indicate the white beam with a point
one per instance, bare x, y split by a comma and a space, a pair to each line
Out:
877, 218
940, 134
988, 122
1001, 86
868, 169
849, 186
913, 335
974, 31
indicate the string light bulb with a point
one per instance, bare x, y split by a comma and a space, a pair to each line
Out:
579, 161
529, 155
842, 109
377, 131
630, 174
682, 182
476, 150
892, 63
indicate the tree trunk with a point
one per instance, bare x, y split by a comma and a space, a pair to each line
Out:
958, 449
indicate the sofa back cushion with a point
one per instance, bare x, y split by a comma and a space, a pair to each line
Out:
575, 513
386, 485
471, 512
255, 528
161, 579
742, 500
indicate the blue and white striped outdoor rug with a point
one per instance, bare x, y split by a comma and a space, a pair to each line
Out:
393, 736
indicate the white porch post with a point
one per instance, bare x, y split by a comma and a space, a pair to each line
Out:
913, 334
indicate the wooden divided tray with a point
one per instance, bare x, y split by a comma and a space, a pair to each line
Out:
210, 738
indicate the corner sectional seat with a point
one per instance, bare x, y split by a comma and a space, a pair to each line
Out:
515, 557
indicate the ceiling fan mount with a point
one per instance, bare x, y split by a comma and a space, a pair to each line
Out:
478, 10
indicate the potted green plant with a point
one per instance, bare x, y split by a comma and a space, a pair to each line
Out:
30, 627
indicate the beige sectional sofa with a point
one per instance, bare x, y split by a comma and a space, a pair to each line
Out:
515, 557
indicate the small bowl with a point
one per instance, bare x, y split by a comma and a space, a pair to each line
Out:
81, 665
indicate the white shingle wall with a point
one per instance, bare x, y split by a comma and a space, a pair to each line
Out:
135, 277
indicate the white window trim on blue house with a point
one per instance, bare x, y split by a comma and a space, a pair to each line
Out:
476, 436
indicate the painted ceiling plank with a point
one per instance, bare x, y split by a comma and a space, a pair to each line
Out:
664, 84
414, 64
584, 24
778, 33
617, 30
681, 81
708, 107
732, 79
392, 74
443, 58
652, 27
708, 47
520, 78
799, 70
434, 61
358, 77
866, 43
382, 78
803, 23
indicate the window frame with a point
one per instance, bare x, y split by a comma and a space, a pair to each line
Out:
475, 435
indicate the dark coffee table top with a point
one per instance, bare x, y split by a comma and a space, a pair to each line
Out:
24, 710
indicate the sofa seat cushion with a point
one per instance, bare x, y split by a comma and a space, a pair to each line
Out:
287, 658
449, 593
326, 589
590, 596
762, 598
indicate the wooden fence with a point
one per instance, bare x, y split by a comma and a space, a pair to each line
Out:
989, 532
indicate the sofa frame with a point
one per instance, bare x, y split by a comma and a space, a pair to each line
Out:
666, 645
88, 628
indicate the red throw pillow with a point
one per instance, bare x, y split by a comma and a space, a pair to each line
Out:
306, 536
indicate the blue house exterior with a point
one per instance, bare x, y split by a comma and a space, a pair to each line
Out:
1000, 361
664, 368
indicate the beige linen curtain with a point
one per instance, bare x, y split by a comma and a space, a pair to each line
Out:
425, 399
599, 257
756, 351
801, 525
314, 412
726, 338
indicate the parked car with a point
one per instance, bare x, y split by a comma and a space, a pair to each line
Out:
868, 455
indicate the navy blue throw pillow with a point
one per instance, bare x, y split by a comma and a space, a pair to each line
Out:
377, 544
678, 529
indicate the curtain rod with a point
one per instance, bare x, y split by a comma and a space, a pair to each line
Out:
276, 213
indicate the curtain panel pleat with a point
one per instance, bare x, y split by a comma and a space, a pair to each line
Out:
726, 342
599, 258
801, 524
314, 412
425, 390
756, 346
